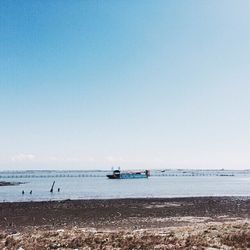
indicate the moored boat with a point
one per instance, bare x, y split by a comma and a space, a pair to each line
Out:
117, 174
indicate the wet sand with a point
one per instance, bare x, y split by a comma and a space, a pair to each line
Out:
173, 223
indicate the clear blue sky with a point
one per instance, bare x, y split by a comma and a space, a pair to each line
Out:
139, 84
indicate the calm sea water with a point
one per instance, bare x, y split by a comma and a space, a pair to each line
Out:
94, 184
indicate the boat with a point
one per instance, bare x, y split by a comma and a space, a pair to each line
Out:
117, 174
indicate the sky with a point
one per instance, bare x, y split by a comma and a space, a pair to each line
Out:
136, 84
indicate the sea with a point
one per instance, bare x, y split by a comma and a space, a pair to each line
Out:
95, 184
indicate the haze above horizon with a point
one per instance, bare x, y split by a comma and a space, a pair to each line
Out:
136, 84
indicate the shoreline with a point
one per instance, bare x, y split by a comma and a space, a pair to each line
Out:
238, 197
121, 213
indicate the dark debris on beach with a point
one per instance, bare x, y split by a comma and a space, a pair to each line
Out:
121, 213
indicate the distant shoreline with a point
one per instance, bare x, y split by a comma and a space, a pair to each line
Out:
8, 183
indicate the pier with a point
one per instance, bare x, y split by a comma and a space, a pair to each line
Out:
102, 174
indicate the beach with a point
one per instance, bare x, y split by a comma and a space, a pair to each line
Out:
148, 223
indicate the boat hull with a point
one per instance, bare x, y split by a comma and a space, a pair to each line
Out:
128, 176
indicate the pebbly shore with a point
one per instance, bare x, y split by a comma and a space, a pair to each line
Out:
169, 223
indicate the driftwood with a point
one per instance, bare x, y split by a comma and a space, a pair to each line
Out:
52, 188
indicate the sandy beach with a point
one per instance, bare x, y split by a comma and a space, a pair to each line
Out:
173, 223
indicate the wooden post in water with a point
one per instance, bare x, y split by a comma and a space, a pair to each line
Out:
51, 190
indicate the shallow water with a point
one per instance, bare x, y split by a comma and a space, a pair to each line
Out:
94, 184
